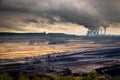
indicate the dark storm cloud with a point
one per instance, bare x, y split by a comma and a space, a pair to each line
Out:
109, 9
1, 3
90, 13
9, 26
31, 21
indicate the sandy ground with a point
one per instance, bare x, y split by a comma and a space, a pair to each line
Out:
15, 50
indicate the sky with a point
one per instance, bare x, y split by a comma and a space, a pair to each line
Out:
60, 16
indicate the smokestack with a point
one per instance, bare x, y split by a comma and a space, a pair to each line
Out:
101, 31
105, 30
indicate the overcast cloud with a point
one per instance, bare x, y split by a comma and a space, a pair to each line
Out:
90, 13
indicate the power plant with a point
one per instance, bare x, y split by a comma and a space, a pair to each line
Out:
97, 32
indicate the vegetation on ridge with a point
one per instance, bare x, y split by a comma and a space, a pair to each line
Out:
90, 76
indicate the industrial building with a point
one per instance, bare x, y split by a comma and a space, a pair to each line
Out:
100, 32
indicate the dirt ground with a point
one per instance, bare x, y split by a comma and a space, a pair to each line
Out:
23, 49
